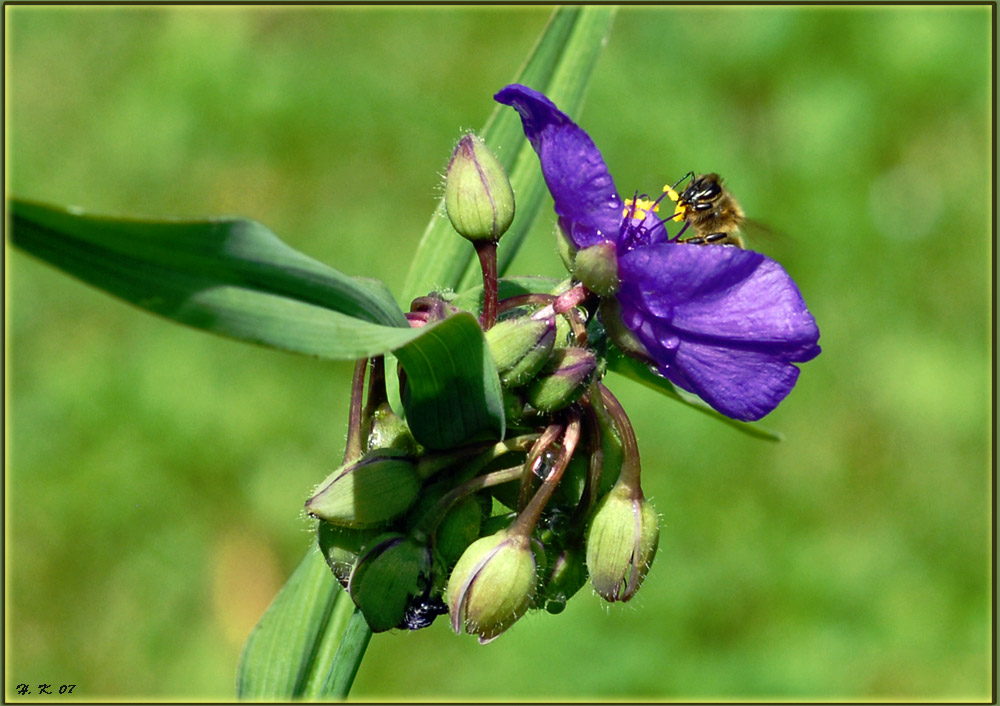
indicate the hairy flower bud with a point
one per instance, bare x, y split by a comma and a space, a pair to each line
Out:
341, 546
386, 577
492, 585
386, 430
520, 348
563, 379
458, 529
597, 268
621, 543
368, 492
564, 579
477, 192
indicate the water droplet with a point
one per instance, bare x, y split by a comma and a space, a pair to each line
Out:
670, 342
543, 464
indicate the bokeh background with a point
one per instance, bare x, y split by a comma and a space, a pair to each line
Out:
155, 475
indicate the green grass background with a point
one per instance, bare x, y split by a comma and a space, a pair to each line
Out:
155, 475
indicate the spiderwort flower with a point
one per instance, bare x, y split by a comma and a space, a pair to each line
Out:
724, 323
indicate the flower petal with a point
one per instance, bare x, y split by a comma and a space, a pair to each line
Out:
742, 384
721, 322
585, 196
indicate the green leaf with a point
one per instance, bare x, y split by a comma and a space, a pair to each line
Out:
560, 65
125, 256
635, 370
289, 651
452, 392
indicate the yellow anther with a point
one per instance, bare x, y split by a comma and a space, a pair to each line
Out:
671, 194
642, 207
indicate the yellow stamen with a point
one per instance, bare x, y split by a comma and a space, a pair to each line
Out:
642, 207
680, 212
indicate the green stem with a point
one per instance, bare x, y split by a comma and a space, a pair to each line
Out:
348, 658
428, 523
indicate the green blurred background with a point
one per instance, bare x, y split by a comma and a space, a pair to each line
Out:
156, 474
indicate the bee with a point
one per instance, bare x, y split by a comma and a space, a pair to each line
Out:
709, 210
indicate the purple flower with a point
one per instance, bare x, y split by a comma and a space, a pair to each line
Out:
724, 323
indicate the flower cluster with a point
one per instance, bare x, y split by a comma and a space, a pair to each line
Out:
487, 531
725, 323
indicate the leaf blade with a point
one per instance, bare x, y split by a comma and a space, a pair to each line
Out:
279, 653
452, 393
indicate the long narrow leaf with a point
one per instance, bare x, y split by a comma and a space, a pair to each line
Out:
281, 652
157, 265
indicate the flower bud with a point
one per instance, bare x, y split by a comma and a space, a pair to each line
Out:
368, 492
492, 585
341, 546
597, 268
567, 576
386, 578
565, 247
477, 193
387, 430
563, 379
621, 543
458, 529
520, 348
513, 406
610, 312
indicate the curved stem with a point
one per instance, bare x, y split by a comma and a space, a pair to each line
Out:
525, 523
629, 476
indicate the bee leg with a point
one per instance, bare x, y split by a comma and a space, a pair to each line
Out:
710, 239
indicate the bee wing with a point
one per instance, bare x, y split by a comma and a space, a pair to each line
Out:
760, 231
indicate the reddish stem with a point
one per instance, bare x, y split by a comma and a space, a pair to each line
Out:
352, 449
525, 300
629, 476
526, 521
487, 252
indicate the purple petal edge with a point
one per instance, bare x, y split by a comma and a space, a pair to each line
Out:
584, 192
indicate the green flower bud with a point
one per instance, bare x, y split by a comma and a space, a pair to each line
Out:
387, 576
458, 529
477, 193
564, 333
513, 406
492, 585
567, 576
341, 547
566, 249
563, 379
520, 348
369, 492
387, 430
621, 543
610, 312
597, 268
